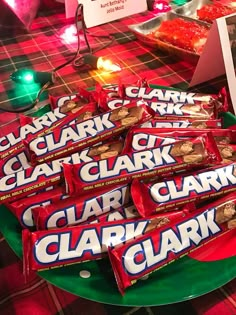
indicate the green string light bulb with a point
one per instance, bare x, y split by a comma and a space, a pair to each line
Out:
28, 76
179, 2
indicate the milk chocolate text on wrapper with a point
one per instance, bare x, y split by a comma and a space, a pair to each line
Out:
156, 161
181, 189
156, 249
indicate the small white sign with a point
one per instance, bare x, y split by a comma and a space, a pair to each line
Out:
219, 55
97, 12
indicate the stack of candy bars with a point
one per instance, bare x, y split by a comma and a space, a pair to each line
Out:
142, 175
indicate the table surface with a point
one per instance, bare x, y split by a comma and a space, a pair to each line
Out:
43, 49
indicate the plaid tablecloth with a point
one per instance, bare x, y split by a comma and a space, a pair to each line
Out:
43, 49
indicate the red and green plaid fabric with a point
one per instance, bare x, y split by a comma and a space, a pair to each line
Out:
42, 49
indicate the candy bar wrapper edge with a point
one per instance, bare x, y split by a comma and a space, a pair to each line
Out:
194, 187
91, 240
152, 162
82, 97
155, 246
53, 170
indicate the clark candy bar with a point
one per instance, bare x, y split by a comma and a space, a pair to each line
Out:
22, 208
79, 209
19, 161
58, 247
14, 140
61, 142
27, 181
185, 123
71, 116
43, 175
168, 103
182, 189
143, 138
158, 248
182, 155
79, 99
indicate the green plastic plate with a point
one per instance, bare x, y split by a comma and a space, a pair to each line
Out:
182, 280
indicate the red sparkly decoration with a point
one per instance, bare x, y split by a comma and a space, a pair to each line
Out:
161, 6
210, 12
184, 34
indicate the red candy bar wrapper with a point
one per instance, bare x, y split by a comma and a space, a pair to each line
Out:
30, 180
122, 213
182, 189
61, 142
72, 116
14, 141
182, 155
168, 103
78, 209
81, 98
22, 208
161, 246
143, 138
19, 161
185, 123
130, 212
59, 247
